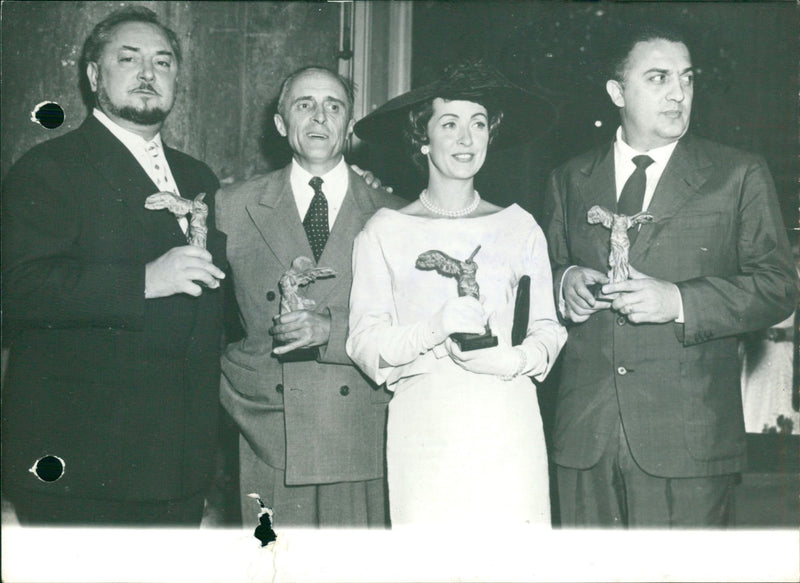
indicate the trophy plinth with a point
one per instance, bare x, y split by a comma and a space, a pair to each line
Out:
298, 354
464, 273
467, 342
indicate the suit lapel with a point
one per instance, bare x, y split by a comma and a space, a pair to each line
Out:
188, 187
190, 184
598, 188
276, 218
185, 179
278, 222
686, 172
357, 208
123, 174
116, 164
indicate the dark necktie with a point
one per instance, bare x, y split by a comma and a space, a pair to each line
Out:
316, 221
631, 199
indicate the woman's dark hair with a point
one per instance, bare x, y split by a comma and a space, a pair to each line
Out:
415, 131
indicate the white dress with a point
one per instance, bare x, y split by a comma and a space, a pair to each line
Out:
461, 447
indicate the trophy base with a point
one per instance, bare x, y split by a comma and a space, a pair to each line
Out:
597, 292
467, 342
596, 289
299, 355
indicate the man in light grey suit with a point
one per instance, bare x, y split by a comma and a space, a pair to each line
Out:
312, 427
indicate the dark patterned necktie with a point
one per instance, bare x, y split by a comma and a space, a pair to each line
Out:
631, 199
316, 220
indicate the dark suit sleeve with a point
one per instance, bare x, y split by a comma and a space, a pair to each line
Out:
555, 222
209, 185
764, 290
47, 280
232, 319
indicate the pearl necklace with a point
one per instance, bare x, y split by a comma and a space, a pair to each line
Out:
426, 202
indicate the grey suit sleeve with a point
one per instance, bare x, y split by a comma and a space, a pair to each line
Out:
220, 199
763, 292
334, 351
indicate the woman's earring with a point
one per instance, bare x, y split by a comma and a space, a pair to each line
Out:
425, 149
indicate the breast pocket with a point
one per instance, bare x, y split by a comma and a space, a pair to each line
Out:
696, 244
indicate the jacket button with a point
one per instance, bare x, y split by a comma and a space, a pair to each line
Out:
279, 388
622, 370
344, 391
270, 295
621, 321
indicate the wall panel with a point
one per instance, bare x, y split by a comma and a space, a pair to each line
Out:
235, 56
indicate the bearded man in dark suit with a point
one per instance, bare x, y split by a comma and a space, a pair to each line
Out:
649, 427
110, 402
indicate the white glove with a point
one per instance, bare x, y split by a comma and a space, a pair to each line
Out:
462, 314
502, 360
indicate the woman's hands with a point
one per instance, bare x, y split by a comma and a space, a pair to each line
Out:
502, 360
463, 314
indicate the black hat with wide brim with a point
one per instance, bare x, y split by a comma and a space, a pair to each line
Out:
526, 115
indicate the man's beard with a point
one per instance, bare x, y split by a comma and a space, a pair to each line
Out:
144, 117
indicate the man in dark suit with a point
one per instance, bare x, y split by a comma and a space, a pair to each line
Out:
312, 427
110, 401
649, 428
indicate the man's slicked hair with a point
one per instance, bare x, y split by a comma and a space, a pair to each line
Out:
102, 32
621, 47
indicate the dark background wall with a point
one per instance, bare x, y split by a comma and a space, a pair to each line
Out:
238, 52
746, 55
235, 56
745, 96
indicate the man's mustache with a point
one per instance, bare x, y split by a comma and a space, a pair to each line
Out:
146, 87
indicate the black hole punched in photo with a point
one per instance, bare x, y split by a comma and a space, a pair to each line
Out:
50, 115
48, 468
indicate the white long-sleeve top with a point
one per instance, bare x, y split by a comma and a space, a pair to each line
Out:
392, 301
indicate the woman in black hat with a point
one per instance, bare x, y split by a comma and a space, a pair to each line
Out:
464, 431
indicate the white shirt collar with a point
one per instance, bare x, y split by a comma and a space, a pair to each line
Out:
660, 155
131, 140
334, 185
624, 166
157, 168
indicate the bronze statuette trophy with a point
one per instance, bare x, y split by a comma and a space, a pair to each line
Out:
180, 207
301, 273
464, 273
618, 266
